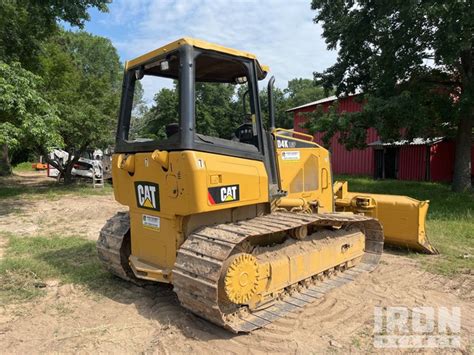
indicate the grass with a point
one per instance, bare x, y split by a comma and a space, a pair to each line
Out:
52, 190
25, 166
450, 222
29, 262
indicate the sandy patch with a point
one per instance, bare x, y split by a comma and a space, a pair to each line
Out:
69, 215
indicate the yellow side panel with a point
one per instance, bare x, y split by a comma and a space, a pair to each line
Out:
305, 259
195, 182
155, 246
306, 173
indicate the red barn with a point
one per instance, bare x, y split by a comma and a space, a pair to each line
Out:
421, 159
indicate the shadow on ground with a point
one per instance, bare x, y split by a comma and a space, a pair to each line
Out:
8, 206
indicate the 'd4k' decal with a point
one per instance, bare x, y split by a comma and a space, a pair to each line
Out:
223, 194
148, 195
289, 142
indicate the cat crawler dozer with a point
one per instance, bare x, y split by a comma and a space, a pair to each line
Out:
247, 226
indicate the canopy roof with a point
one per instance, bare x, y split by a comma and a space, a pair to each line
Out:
212, 69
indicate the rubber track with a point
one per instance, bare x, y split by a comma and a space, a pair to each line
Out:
201, 258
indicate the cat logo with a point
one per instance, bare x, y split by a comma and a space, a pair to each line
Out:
228, 193
223, 194
148, 195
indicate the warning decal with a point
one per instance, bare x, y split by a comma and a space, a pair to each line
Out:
290, 155
152, 222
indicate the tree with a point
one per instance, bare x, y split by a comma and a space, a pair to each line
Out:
281, 102
301, 91
220, 108
25, 24
26, 117
164, 111
414, 62
298, 92
139, 111
217, 111
82, 76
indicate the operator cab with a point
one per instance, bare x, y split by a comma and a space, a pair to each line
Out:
196, 68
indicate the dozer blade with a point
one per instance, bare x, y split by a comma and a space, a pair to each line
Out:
403, 218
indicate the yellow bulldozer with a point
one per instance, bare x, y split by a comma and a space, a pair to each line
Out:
249, 227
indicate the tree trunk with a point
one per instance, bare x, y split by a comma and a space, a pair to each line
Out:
462, 159
5, 166
53, 163
68, 179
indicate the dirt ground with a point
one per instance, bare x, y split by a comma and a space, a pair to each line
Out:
66, 215
150, 320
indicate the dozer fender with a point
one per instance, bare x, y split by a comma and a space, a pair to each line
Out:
402, 217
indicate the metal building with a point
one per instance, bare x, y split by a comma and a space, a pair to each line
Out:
421, 159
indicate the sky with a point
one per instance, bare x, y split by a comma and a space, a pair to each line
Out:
280, 33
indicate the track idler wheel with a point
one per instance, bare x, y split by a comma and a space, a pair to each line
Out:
241, 278
299, 233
